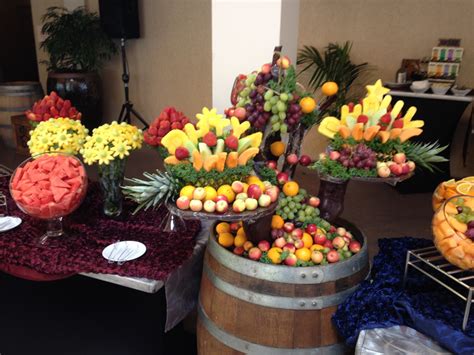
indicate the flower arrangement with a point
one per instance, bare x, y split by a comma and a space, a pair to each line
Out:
60, 134
111, 141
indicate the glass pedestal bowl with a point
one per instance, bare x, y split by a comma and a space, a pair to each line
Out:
453, 231
49, 187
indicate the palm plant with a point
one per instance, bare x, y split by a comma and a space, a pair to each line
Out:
332, 65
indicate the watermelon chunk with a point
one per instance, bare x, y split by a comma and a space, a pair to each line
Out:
36, 175
24, 185
44, 184
58, 192
17, 177
48, 165
57, 182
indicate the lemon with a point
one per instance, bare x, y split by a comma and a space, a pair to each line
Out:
226, 240
211, 193
187, 191
465, 188
274, 254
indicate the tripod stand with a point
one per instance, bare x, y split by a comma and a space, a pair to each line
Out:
127, 110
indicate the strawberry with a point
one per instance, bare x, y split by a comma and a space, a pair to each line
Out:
153, 130
362, 119
351, 106
232, 142
386, 119
181, 153
397, 124
176, 125
165, 124
162, 132
67, 104
210, 139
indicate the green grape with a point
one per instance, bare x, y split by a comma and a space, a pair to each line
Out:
282, 202
245, 92
284, 216
282, 115
267, 106
284, 128
292, 205
274, 119
274, 100
303, 192
309, 210
301, 219
276, 127
281, 106
241, 103
290, 97
275, 110
291, 215
317, 212
284, 96
268, 95
301, 214
286, 209
347, 254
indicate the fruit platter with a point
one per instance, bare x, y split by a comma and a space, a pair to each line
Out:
453, 231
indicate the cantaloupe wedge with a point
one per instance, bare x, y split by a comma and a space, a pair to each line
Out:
450, 208
210, 162
345, 132
395, 133
197, 160
371, 132
409, 133
171, 160
384, 136
220, 165
461, 227
246, 155
232, 159
358, 131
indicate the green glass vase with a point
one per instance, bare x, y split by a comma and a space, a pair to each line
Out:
111, 178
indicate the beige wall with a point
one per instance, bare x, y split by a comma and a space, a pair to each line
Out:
170, 64
384, 32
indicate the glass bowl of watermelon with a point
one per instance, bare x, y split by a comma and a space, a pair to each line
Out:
49, 186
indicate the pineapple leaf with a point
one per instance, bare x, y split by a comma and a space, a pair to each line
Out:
425, 154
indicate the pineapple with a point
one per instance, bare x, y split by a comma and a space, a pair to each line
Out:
425, 154
157, 189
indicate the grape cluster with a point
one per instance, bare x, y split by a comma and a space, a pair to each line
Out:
294, 209
284, 108
359, 156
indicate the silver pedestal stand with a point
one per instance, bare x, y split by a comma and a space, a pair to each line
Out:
431, 263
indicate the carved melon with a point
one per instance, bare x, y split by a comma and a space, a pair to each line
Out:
345, 132
197, 160
358, 131
210, 162
371, 132
395, 133
220, 165
232, 159
409, 133
384, 136
171, 160
247, 155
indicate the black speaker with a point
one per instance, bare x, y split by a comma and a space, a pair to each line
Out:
119, 18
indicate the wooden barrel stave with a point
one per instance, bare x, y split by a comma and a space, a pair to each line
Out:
257, 313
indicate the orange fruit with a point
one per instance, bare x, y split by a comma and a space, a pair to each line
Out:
307, 104
277, 222
274, 254
226, 240
187, 191
277, 148
227, 191
465, 188
329, 88
240, 240
307, 240
223, 227
211, 193
291, 188
303, 254
316, 247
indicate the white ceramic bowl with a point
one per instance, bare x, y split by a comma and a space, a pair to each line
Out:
421, 84
458, 92
440, 89
419, 90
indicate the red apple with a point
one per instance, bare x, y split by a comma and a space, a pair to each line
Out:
317, 257
354, 246
349, 235
248, 245
254, 191
282, 178
319, 239
297, 233
332, 256
221, 198
299, 243
311, 229
255, 253
328, 244
288, 227
396, 169
209, 206
195, 205
314, 201
237, 187
266, 68
264, 201
305, 160
292, 159
222, 206
238, 206
383, 171
279, 242
347, 239
289, 247
272, 164
239, 250
183, 203
242, 196
291, 260
235, 226
399, 158
332, 229
264, 245
405, 168
240, 113
284, 62
411, 165
334, 155
273, 192
338, 242
341, 231
199, 193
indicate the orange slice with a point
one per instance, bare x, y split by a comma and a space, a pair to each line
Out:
468, 179
465, 188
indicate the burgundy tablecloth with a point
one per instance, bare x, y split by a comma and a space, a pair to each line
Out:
88, 233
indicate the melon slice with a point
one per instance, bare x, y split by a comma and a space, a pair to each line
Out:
197, 160
246, 155
220, 165
210, 162
232, 159
344, 132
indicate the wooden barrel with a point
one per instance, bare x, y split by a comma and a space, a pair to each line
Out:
247, 307
15, 98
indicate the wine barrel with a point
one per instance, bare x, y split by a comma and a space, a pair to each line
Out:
15, 98
247, 307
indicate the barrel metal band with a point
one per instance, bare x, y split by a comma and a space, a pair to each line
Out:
14, 109
295, 303
287, 274
251, 348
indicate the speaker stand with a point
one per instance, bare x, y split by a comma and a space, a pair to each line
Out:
127, 110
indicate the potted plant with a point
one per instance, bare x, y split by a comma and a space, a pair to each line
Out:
77, 48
